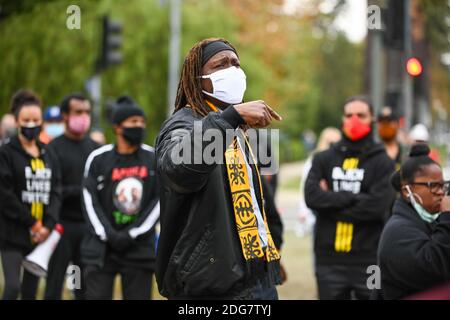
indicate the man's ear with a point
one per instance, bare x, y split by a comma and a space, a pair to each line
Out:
117, 130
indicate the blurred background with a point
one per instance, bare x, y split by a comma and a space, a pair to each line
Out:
304, 57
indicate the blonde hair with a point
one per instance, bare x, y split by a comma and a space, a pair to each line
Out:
328, 136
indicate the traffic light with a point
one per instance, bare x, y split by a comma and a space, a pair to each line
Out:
414, 67
111, 43
395, 31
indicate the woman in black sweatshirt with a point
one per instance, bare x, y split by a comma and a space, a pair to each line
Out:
414, 250
29, 195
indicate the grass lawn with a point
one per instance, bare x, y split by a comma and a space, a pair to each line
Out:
296, 259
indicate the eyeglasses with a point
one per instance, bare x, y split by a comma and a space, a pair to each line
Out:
435, 187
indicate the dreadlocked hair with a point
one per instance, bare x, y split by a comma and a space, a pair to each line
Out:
189, 92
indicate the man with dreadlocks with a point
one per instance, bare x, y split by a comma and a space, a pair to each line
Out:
214, 242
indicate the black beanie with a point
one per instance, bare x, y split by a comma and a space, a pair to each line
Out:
125, 108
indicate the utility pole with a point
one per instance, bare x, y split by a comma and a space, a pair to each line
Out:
94, 87
408, 100
174, 53
376, 90
375, 64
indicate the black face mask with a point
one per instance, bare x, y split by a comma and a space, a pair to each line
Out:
133, 135
30, 133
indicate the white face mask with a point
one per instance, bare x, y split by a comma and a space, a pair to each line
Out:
229, 85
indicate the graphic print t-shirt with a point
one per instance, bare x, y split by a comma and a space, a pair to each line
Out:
36, 193
128, 189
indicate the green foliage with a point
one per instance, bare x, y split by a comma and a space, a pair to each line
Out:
323, 76
37, 50
307, 82
437, 27
306, 76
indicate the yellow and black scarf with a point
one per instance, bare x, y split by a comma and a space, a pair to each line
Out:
246, 220
243, 206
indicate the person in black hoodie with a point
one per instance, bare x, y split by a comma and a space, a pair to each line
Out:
71, 149
121, 203
214, 241
29, 195
414, 250
348, 189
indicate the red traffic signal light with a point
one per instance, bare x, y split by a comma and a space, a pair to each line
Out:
414, 67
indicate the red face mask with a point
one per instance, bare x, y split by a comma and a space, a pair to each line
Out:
354, 129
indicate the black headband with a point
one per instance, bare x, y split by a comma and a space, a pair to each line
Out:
212, 48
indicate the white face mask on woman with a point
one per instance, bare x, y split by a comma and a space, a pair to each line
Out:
229, 85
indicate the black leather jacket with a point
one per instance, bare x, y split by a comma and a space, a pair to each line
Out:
199, 252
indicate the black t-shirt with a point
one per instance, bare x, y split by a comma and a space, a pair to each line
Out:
72, 155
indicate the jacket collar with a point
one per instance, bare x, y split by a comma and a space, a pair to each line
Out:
366, 146
126, 155
15, 144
